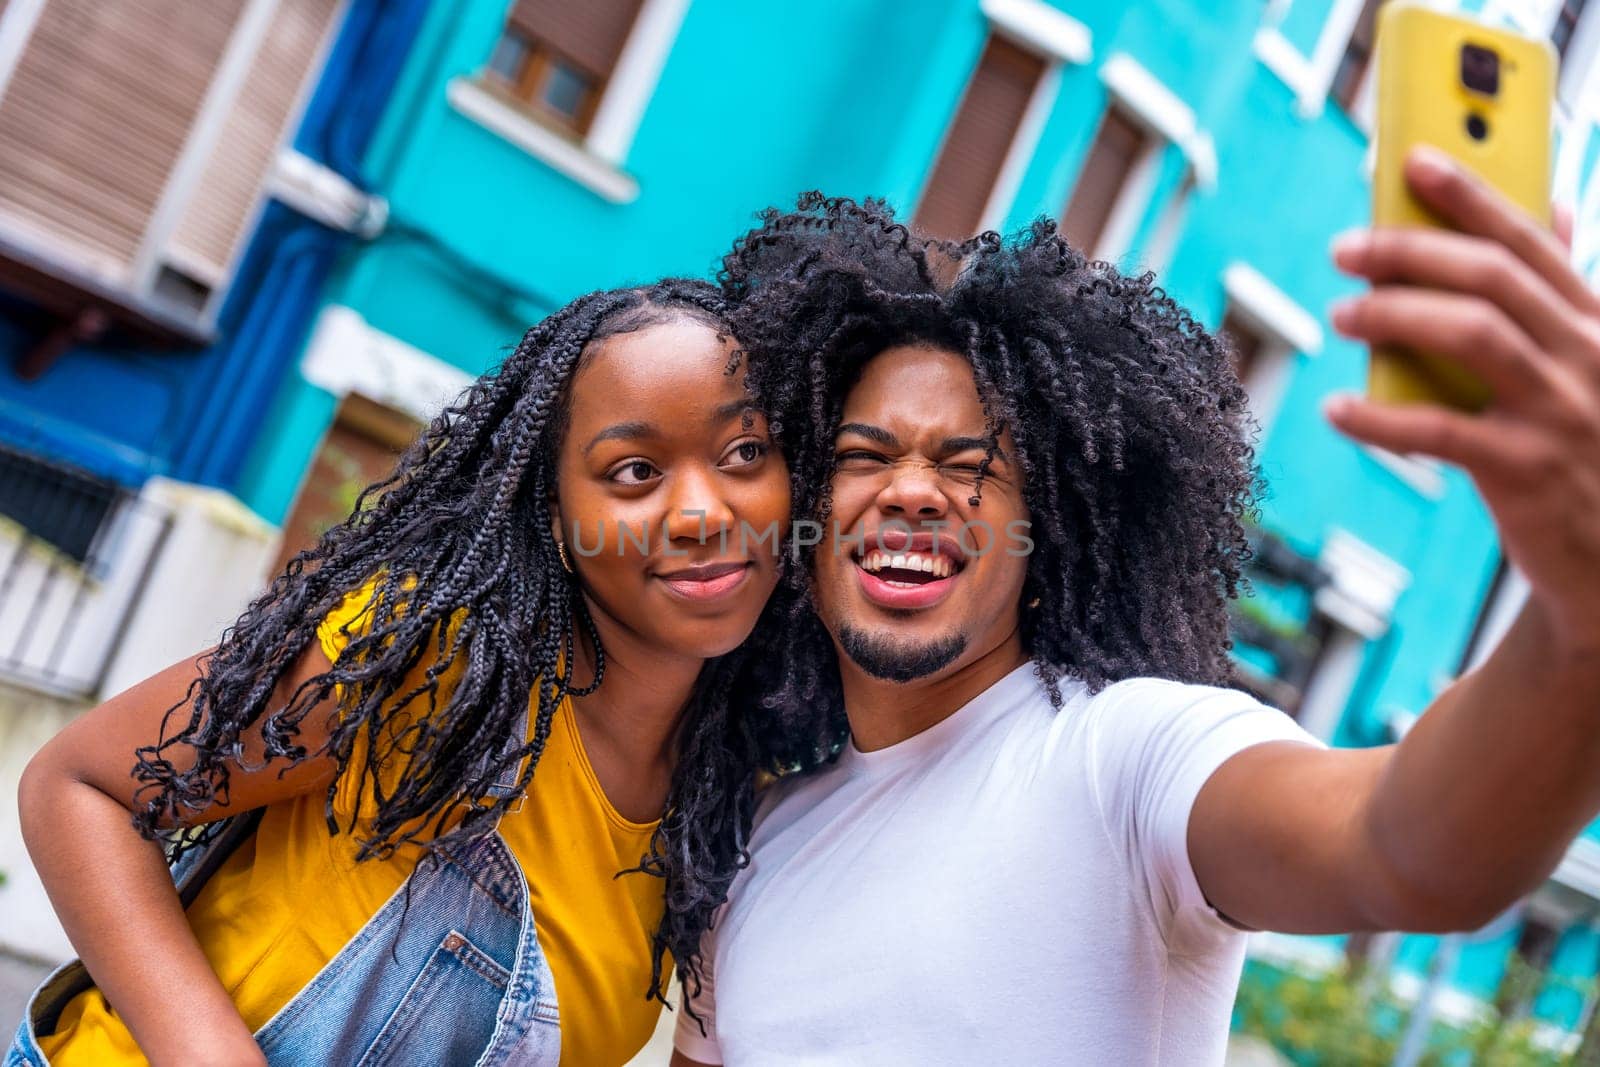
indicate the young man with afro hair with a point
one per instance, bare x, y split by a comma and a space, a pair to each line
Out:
1050, 820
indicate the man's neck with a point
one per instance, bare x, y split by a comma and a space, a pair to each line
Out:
886, 713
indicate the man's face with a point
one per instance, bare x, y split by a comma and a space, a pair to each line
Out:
920, 580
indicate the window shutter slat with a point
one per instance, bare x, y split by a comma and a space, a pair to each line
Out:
1116, 148
980, 136
590, 33
96, 113
224, 200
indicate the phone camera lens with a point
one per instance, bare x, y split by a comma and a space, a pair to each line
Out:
1477, 127
1480, 69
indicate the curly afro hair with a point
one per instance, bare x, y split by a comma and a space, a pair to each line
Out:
1130, 426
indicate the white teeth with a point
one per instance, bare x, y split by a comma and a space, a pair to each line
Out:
927, 563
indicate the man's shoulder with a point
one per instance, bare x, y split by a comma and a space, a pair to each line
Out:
807, 785
1158, 693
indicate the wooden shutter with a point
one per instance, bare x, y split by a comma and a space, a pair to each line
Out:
224, 200
1245, 342
97, 111
978, 139
589, 33
1116, 148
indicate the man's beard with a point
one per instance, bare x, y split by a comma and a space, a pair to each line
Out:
892, 660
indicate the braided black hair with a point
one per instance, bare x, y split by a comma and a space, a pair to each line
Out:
1131, 430
468, 577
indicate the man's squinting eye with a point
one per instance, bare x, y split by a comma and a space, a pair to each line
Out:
859, 459
744, 453
965, 469
632, 472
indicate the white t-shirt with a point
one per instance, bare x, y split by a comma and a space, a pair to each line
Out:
1010, 886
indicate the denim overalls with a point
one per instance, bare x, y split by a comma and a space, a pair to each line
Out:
461, 980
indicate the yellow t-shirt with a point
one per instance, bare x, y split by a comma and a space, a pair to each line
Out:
292, 896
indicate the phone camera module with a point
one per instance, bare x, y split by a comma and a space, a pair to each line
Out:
1477, 127
1480, 69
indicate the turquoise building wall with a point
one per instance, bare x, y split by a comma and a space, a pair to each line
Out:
757, 102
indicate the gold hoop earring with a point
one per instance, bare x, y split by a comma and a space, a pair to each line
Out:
561, 550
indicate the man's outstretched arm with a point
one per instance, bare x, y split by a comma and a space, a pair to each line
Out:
1476, 806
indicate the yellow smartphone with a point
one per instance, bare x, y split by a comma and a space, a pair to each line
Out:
1484, 96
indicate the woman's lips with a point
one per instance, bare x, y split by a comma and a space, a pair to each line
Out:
903, 596
712, 581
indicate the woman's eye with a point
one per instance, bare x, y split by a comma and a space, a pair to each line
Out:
745, 453
635, 473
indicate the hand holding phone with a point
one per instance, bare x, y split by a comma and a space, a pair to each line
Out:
1483, 96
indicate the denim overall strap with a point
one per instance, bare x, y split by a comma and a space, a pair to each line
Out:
505, 783
449, 971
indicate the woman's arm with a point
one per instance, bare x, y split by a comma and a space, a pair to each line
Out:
110, 886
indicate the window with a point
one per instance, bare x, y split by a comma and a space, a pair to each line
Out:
61, 506
1123, 181
134, 143
1245, 345
1575, 32
978, 141
1265, 327
362, 446
556, 57
1336, 65
1351, 76
1566, 25
1119, 146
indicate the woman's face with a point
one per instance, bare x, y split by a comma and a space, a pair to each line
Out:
671, 495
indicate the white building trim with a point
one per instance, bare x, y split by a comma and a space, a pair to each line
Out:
1330, 49
1310, 77
535, 138
347, 355
1041, 28
1424, 475
1152, 103
319, 192
1279, 55
1271, 310
633, 82
1364, 587
1580, 868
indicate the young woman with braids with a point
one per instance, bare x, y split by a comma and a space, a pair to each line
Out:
404, 784
1053, 820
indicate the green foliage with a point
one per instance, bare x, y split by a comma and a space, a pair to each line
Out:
1344, 1018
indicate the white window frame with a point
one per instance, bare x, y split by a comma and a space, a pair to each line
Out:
1311, 77
1578, 83
1143, 98
1284, 326
1059, 39
1359, 602
346, 354
595, 161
